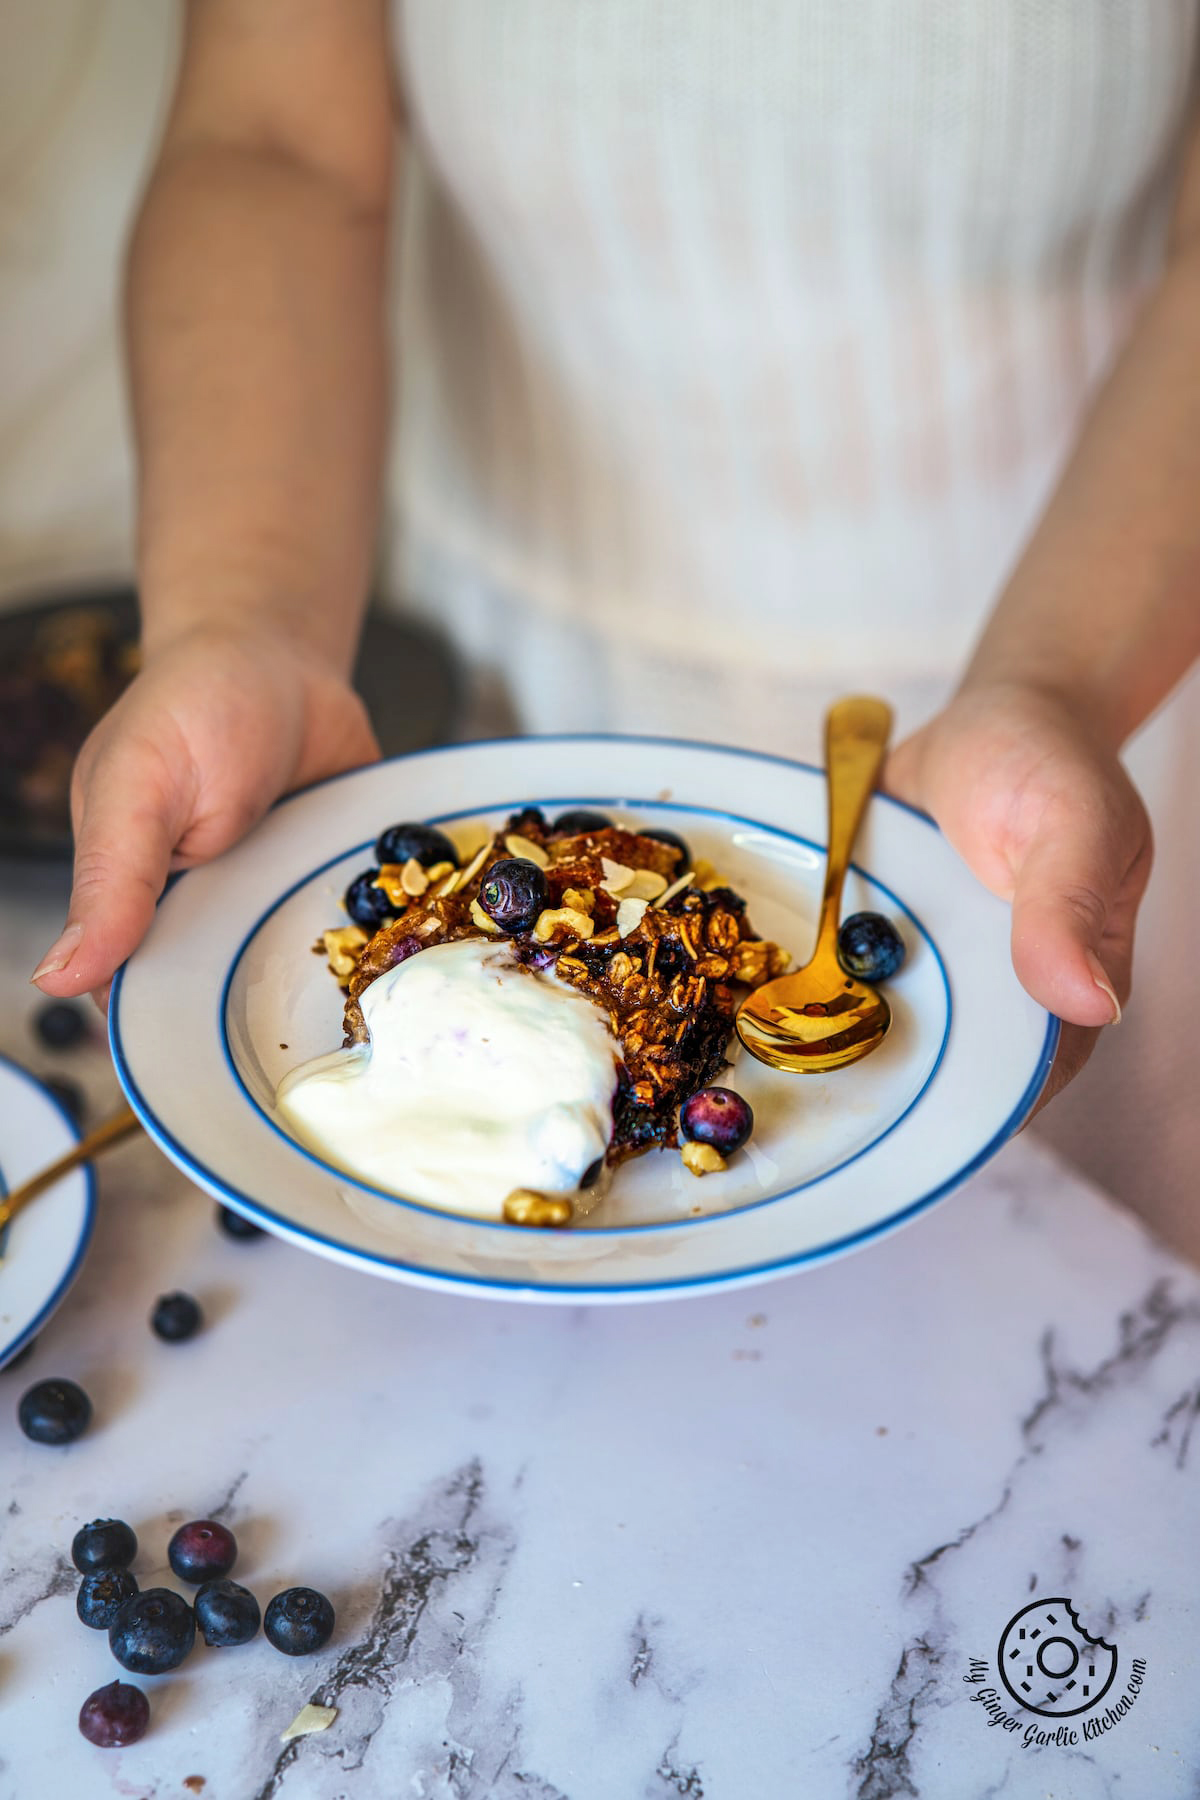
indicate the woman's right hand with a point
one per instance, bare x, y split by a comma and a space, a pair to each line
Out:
218, 724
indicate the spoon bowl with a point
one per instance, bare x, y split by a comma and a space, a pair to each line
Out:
819, 1017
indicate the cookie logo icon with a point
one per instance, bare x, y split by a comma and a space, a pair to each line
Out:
1050, 1664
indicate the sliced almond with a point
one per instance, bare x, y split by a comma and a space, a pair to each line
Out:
647, 884
309, 1719
524, 847
629, 915
435, 871
702, 1159
481, 919
676, 887
464, 877
413, 878
617, 876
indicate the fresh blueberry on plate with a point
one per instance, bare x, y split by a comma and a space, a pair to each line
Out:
175, 1318
60, 1024
869, 946
401, 842
235, 1226
114, 1716
102, 1594
579, 821
202, 1550
226, 1614
716, 1116
514, 893
674, 840
153, 1632
103, 1544
367, 904
298, 1621
56, 1411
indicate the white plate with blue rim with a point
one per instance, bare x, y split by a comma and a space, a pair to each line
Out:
224, 997
42, 1251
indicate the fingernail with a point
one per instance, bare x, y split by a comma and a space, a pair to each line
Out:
1104, 984
59, 954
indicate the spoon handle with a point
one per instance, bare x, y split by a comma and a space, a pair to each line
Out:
110, 1132
856, 737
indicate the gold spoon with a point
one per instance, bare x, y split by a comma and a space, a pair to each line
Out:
819, 1017
110, 1132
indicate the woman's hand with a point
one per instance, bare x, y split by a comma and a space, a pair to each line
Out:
1042, 811
218, 724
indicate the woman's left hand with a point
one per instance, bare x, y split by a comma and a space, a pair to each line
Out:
1042, 811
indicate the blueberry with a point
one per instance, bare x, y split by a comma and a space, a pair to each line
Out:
716, 1116
400, 842
102, 1594
104, 1544
869, 946
226, 1614
175, 1317
54, 1412
202, 1550
60, 1024
513, 893
114, 1716
153, 1632
23, 1355
298, 1621
235, 1226
529, 822
676, 842
70, 1097
578, 822
367, 904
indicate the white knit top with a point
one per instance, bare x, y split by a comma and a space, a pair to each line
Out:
780, 313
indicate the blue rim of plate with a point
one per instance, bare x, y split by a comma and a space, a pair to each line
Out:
344, 1177
283, 1227
8, 1351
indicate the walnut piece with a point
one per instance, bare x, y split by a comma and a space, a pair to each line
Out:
577, 923
702, 1159
342, 947
525, 1207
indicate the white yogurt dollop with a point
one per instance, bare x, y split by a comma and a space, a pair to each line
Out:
480, 1077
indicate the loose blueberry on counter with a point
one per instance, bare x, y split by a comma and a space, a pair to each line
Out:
226, 1614
114, 1716
869, 946
102, 1594
716, 1116
70, 1097
202, 1550
400, 842
175, 1318
23, 1355
235, 1226
367, 904
60, 1024
56, 1411
514, 893
104, 1544
153, 1632
676, 842
578, 821
298, 1621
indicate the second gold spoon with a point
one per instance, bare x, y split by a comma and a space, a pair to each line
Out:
819, 1017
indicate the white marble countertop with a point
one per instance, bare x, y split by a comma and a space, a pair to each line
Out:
739, 1547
